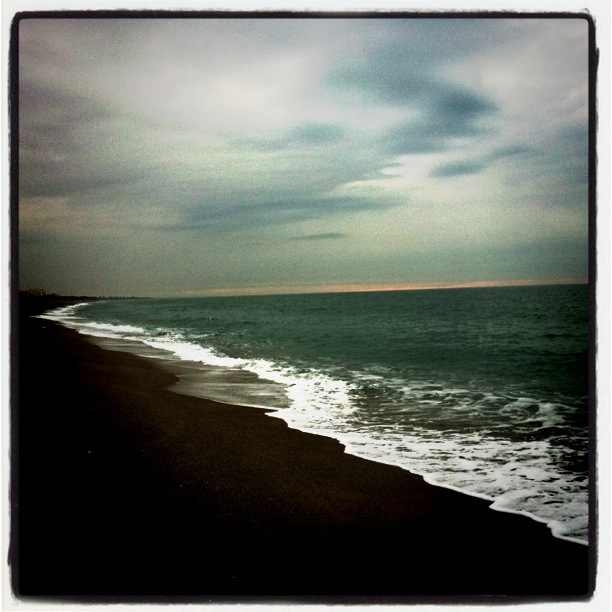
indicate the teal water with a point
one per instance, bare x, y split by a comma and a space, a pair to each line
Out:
483, 390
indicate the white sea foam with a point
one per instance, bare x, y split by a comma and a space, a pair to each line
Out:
115, 329
67, 315
188, 351
310, 393
516, 477
64, 313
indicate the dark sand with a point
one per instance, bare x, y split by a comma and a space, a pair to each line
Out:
123, 488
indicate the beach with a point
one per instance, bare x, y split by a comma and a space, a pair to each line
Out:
123, 488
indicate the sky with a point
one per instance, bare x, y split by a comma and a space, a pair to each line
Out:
212, 156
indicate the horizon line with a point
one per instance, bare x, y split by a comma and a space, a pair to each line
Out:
323, 289
371, 287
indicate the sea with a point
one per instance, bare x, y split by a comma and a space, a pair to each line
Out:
481, 390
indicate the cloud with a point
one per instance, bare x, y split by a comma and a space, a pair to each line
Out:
457, 169
42, 105
305, 135
220, 217
402, 61
321, 236
316, 134
508, 151
402, 74
570, 151
70, 143
474, 166
449, 113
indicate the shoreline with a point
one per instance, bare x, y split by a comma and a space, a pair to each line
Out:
186, 388
193, 380
334, 515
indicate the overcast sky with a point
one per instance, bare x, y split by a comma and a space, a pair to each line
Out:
183, 156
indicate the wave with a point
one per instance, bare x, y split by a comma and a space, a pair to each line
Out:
518, 476
63, 313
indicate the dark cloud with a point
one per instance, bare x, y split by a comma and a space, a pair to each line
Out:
70, 143
399, 86
403, 67
305, 135
449, 113
403, 74
420, 44
570, 151
474, 166
508, 151
42, 105
321, 236
559, 165
316, 133
457, 169
56, 180
459, 106
224, 217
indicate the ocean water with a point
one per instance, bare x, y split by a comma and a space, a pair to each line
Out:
480, 390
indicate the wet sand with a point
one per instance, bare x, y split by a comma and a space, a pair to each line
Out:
123, 489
